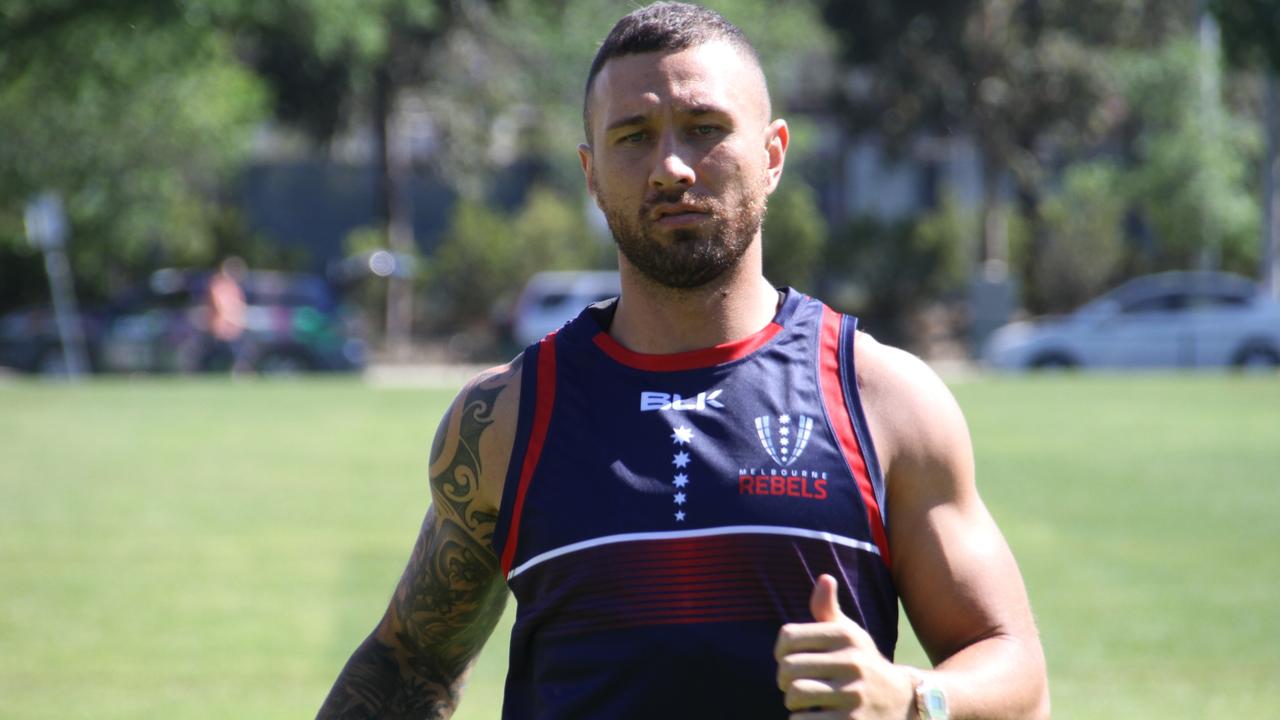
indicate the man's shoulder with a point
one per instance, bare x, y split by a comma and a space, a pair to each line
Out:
482, 421
502, 377
492, 396
887, 369
913, 411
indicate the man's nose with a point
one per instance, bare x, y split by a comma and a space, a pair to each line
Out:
674, 165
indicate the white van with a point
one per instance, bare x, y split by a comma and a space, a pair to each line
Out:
551, 299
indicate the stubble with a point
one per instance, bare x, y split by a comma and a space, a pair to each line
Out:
688, 258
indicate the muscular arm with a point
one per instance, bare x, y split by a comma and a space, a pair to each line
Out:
451, 593
954, 572
957, 578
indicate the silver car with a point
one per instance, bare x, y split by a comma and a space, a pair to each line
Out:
553, 298
1168, 320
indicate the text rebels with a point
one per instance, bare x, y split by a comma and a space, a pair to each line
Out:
812, 488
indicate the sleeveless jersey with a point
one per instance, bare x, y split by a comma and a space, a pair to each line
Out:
664, 515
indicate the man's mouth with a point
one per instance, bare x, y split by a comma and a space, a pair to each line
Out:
678, 215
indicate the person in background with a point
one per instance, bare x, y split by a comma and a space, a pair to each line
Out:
226, 305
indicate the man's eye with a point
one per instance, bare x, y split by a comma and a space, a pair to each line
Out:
705, 130
634, 138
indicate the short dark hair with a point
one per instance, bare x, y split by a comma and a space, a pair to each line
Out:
663, 26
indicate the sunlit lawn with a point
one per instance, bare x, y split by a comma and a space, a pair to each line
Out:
208, 549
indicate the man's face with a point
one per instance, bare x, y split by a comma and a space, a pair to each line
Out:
681, 159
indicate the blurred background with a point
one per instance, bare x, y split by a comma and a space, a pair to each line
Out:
411, 165
382, 194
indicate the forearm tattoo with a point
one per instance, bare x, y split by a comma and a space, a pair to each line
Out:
452, 593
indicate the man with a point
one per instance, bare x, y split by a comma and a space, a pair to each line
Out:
225, 301
709, 494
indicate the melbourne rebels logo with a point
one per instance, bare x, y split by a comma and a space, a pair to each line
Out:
792, 438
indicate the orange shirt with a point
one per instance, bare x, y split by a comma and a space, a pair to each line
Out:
226, 307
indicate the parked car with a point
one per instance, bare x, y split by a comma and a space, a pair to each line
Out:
551, 299
1168, 320
293, 323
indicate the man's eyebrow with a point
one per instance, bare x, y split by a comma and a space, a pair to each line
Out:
624, 122
638, 119
704, 110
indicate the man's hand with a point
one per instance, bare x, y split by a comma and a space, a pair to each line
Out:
832, 669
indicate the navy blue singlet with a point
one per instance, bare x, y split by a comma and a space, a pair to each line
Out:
664, 515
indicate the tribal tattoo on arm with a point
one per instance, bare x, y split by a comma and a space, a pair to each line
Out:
452, 592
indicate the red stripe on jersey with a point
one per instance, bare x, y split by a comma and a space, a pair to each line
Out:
545, 399
588, 626
692, 360
842, 424
735, 578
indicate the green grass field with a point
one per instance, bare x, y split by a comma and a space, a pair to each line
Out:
207, 549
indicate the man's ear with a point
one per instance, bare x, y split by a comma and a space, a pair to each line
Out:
586, 158
777, 138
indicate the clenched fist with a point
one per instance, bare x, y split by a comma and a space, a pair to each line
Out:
831, 668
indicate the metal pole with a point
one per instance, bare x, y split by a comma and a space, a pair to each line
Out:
1270, 274
1210, 47
396, 175
46, 226
66, 312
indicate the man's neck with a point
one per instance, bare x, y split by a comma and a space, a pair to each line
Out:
654, 319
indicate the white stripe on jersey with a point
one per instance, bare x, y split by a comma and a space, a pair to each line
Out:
682, 534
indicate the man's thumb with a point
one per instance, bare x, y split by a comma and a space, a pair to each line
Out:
823, 603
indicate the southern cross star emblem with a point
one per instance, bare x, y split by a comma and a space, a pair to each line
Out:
682, 436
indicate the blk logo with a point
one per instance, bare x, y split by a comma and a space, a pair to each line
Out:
650, 401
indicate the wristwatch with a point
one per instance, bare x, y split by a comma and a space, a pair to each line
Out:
931, 701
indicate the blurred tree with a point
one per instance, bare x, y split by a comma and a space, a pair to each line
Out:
337, 64
540, 50
487, 256
476, 262
1251, 38
1250, 31
1085, 248
136, 117
1188, 177
887, 272
552, 235
795, 236
1025, 78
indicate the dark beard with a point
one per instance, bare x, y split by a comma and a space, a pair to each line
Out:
695, 257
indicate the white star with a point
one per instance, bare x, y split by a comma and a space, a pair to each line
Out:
680, 480
681, 459
784, 419
682, 435
679, 498
784, 431
785, 442
680, 516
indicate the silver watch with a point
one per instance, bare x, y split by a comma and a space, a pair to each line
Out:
931, 701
